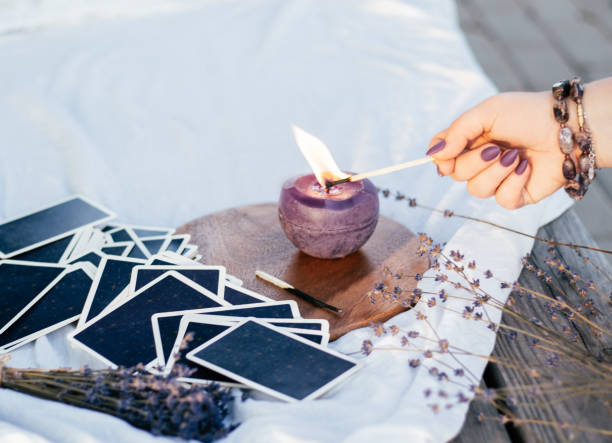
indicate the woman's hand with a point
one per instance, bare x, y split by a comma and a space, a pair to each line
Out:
506, 146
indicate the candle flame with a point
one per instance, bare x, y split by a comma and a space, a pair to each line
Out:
318, 157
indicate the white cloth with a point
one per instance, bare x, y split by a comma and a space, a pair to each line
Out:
167, 115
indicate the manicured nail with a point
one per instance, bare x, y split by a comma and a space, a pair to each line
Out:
436, 148
521, 167
439, 173
490, 153
509, 157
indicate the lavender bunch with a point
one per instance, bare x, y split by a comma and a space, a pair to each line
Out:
158, 404
558, 329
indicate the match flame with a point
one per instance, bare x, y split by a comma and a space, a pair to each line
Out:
318, 157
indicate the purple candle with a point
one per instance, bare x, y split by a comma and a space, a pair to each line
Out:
329, 224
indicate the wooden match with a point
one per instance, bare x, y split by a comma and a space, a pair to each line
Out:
357, 177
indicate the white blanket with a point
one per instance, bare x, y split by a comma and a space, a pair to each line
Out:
168, 114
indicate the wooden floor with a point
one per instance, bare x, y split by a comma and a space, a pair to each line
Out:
527, 45
530, 44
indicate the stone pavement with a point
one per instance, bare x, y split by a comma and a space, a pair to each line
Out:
530, 44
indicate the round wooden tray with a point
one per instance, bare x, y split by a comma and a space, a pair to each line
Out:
250, 238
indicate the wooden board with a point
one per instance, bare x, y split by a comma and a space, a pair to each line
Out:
250, 238
581, 410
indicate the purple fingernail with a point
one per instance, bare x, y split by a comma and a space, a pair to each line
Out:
490, 153
436, 148
509, 157
521, 167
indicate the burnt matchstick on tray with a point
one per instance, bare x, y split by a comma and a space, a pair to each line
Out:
294, 291
357, 177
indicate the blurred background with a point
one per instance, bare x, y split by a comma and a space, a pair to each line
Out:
528, 45
520, 44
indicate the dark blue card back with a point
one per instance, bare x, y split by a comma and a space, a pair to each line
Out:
236, 296
153, 245
125, 335
142, 232
202, 332
114, 250
264, 311
274, 360
20, 284
47, 224
65, 300
121, 235
207, 278
114, 279
92, 257
49, 253
174, 244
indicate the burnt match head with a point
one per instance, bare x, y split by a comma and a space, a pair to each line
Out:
331, 183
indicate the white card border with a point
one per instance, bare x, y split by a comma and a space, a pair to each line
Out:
162, 248
15, 344
94, 287
178, 268
318, 392
167, 368
110, 216
41, 293
176, 275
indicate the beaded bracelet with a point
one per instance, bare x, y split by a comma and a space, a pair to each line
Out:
578, 183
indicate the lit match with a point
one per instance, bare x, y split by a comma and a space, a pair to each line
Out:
357, 177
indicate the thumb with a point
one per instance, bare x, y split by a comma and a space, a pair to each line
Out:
468, 126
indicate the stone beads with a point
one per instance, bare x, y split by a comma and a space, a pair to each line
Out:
583, 141
566, 140
574, 190
578, 181
561, 90
569, 168
576, 89
560, 111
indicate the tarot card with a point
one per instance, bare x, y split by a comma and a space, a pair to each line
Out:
155, 245
124, 336
209, 277
177, 242
54, 252
163, 332
93, 257
177, 258
112, 277
59, 305
46, 225
189, 251
81, 242
119, 249
107, 228
119, 234
237, 295
273, 361
317, 337
199, 332
145, 231
21, 286
301, 323
124, 233
166, 324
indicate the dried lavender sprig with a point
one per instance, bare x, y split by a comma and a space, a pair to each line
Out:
159, 404
448, 213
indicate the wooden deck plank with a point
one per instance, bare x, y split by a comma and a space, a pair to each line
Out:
476, 431
584, 411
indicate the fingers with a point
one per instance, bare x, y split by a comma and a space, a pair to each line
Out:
485, 183
472, 163
511, 194
469, 126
